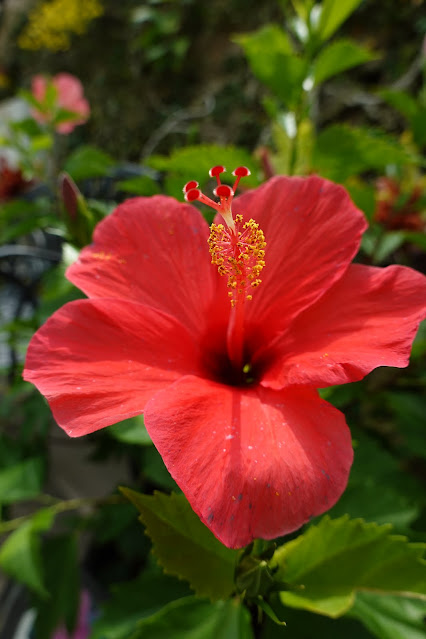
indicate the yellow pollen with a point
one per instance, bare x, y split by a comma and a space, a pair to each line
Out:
239, 255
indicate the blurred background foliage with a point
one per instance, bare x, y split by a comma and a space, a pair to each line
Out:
282, 86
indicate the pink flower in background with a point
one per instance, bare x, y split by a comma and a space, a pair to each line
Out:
69, 96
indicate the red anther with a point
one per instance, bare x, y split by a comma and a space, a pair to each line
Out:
216, 171
192, 194
241, 171
190, 185
223, 191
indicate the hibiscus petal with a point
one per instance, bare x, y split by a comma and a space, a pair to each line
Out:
368, 319
312, 231
252, 463
153, 251
99, 361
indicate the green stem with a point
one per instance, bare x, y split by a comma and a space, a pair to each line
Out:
58, 507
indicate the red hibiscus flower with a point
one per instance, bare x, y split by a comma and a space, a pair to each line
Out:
68, 95
227, 384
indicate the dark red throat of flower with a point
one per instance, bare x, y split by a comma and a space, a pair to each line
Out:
238, 250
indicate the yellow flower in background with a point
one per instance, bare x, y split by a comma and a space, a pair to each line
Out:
51, 24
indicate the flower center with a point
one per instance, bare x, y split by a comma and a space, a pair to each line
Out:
237, 249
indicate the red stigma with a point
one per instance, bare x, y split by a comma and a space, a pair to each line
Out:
189, 186
192, 195
223, 191
216, 171
241, 171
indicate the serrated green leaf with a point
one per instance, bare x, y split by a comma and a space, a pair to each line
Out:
333, 13
191, 618
274, 62
131, 431
334, 560
389, 617
339, 56
21, 481
201, 558
88, 162
342, 151
135, 600
20, 554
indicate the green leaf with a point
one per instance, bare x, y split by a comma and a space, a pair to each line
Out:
334, 560
418, 125
60, 562
389, 242
111, 521
155, 471
301, 624
389, 617
131, 431
19, 217
140, 185
135, 600
417, 238
88, 162
302, 8
270, 40
401, 101
364, 196
333, 13
20, 555
28, 127
274, 62
191, 618
184, 546
21, 481
41, 143
342, 151
268, 610
339, 56
409, 411
400, 495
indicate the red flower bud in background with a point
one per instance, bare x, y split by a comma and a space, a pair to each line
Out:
79, 219
12, 182
396, 210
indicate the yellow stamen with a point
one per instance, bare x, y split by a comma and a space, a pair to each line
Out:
239, 255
